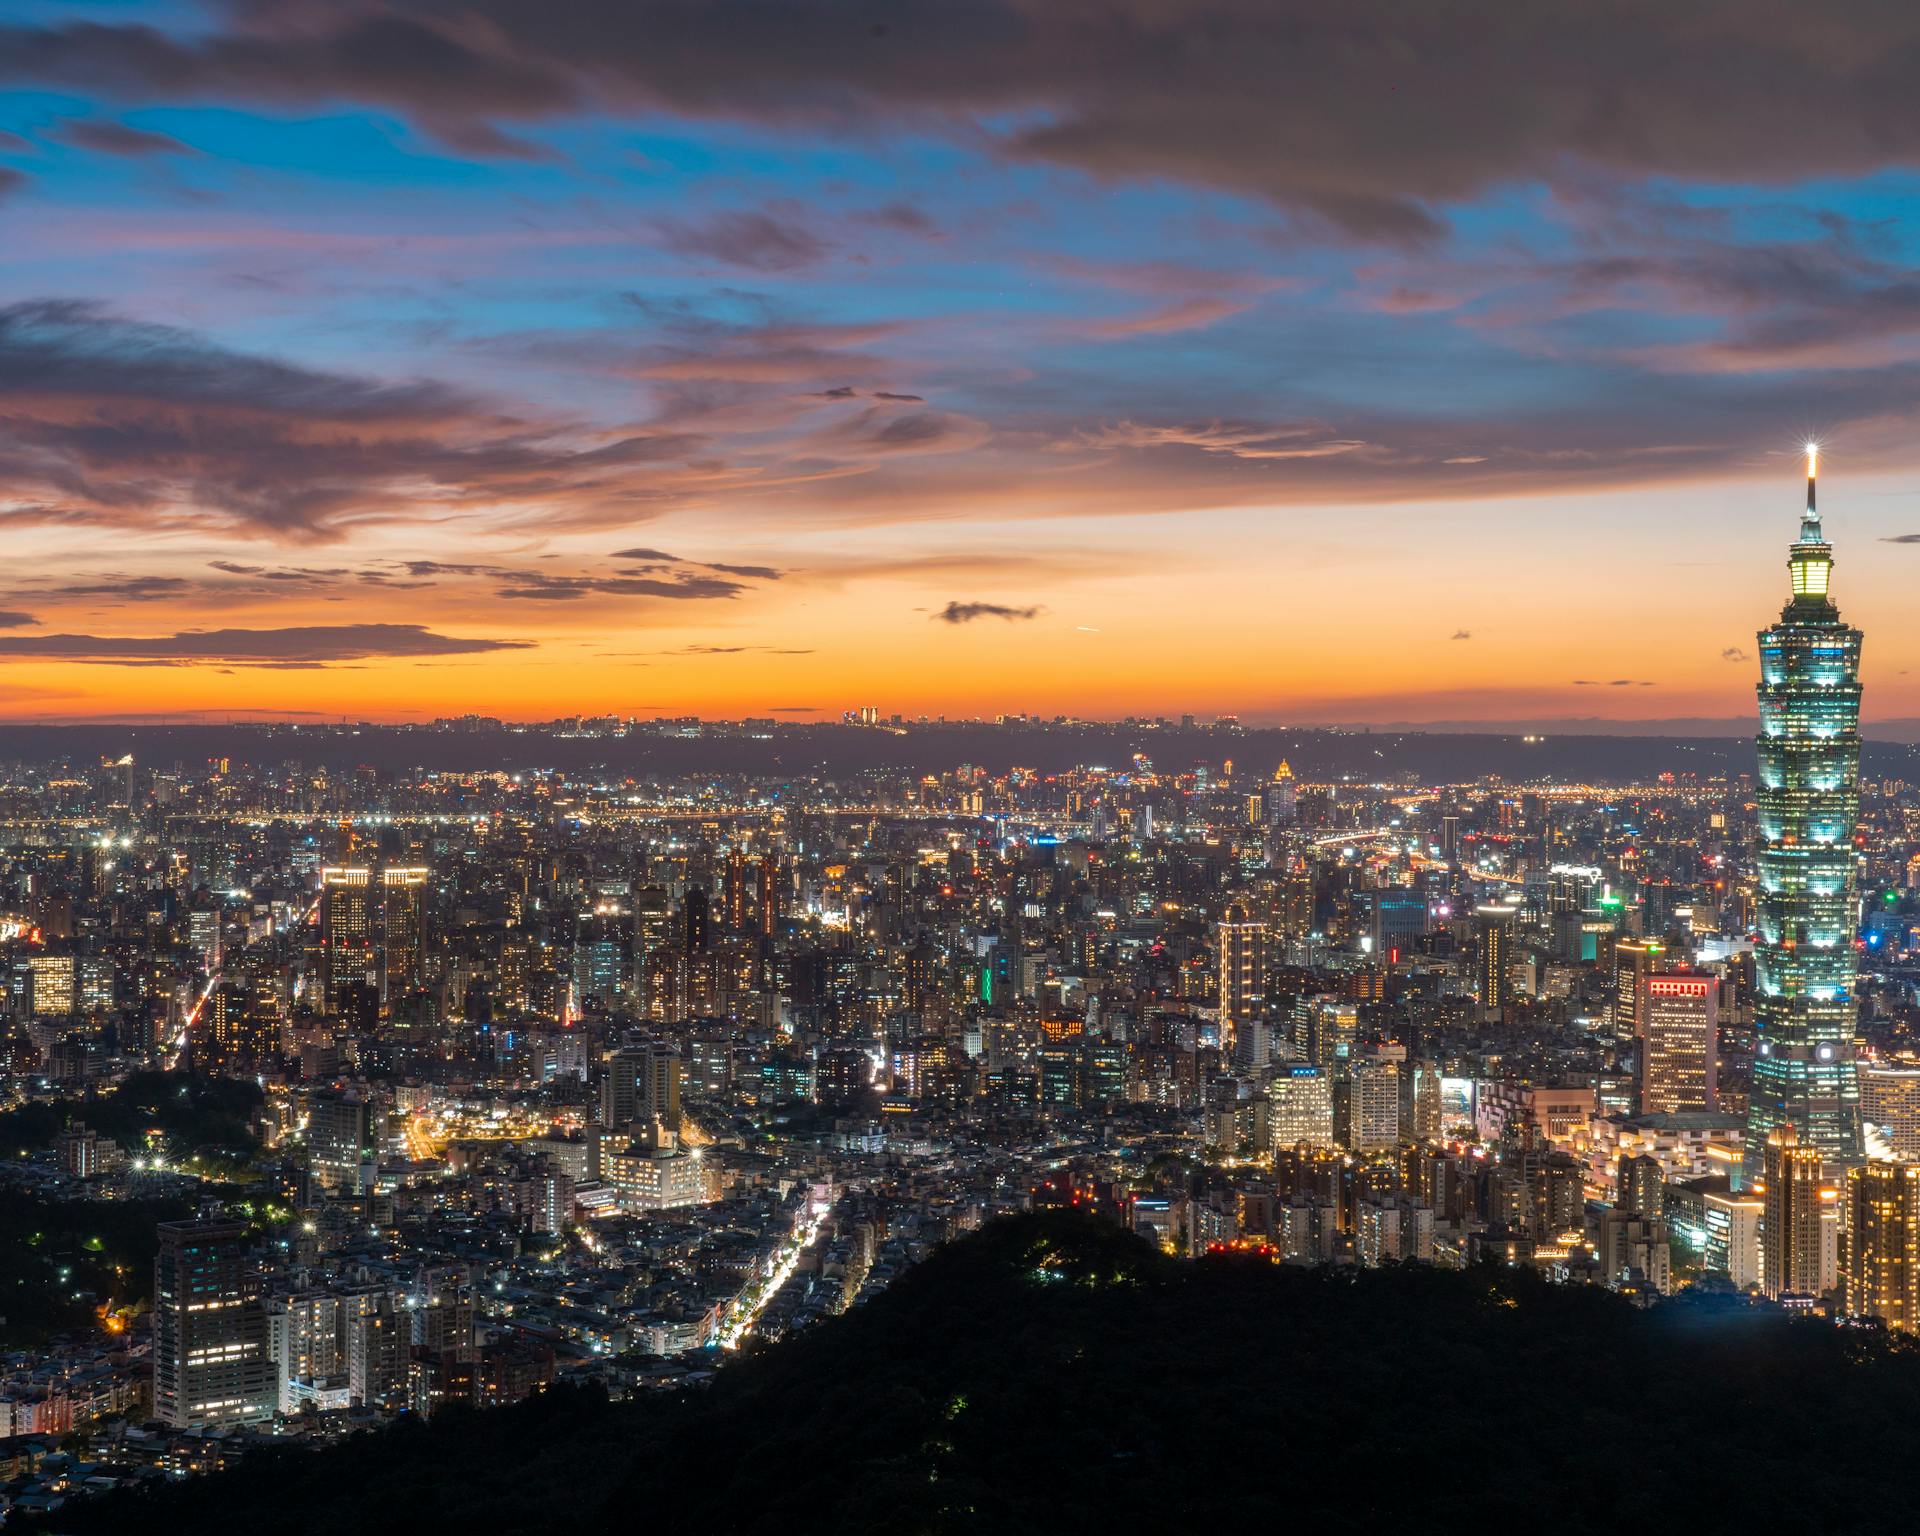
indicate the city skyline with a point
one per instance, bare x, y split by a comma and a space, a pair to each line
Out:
542, 376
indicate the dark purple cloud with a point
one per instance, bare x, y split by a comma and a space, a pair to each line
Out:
759, 241
966, 613
312, 644
120, 139
112, 420
1371, 118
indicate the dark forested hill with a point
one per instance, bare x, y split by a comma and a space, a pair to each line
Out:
1055, 1375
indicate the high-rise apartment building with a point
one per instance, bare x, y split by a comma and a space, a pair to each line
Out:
1794, 1256
1494, 928
1373, 1107
1880, 1261
340, 1139
211, 1360
1241, 941
1808, 798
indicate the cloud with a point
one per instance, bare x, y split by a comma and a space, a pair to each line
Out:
1354, 120
1461, 634
119, 139
1235, 440
1188, 315
1617, 682
122, 422
966, 613
755, 240
123, 589
1901, 538
1733, 653
13, 618
303, 645
537, 586
654, 559
11, 181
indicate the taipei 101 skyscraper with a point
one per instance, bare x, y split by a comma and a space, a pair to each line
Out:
1808, 801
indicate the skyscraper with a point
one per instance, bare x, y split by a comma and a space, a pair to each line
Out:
372, 930
1808, 800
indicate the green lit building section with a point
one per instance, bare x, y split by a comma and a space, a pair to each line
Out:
1808, 802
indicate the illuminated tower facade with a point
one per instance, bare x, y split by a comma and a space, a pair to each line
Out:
1808, 800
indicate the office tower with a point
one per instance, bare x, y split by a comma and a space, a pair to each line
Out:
52, 990
1808, 799
1493, 930
1880, 1265
1283, 796
1890, 1106
211, 1363
1300, 1112
1374, 1107
346, 931
1633, 963
372, 933
1241, 943
1396, 919
403, 927
1792, 1243
1679, 1044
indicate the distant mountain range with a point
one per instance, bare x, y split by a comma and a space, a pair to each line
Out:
1588, 751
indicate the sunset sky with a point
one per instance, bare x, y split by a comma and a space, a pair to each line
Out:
952, 356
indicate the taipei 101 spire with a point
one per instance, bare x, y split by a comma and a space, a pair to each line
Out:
1808, 802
